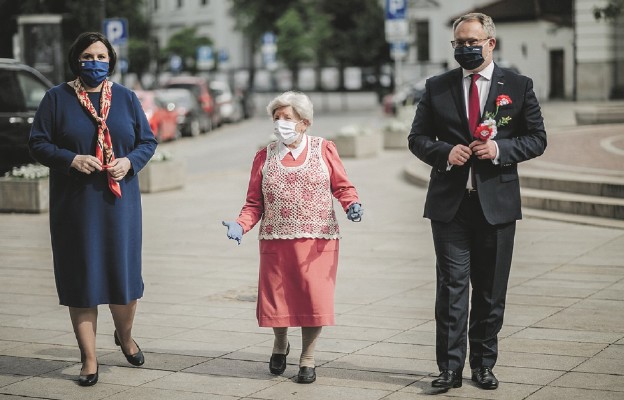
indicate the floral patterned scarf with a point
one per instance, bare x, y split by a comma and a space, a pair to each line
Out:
104, 149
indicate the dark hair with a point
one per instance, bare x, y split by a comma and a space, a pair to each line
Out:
85, 40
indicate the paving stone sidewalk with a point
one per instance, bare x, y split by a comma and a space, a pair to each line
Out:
563, 336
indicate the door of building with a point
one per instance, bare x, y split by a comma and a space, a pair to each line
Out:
557, 81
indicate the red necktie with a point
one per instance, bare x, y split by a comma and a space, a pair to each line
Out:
474, 115
474, 109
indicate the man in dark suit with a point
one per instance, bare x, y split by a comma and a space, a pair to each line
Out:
473, 199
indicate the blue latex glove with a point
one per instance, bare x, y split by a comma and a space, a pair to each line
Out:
235, 231
355, 212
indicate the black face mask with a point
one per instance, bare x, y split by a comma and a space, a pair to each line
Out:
470, 57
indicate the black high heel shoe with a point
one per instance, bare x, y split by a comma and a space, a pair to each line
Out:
91, 379
135, 359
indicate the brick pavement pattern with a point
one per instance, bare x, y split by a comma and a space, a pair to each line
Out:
563, 336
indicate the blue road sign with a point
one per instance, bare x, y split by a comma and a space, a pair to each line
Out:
116, 30
123, 65
205, 58
268, 38
395, 9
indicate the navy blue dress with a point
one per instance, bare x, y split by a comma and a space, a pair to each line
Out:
96, 237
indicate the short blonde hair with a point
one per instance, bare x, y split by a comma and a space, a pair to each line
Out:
299, 102
486, 22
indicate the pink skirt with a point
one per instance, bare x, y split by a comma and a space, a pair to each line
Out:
296, 282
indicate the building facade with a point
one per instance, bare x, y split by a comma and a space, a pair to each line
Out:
212, 20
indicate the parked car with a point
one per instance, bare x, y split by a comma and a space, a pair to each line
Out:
192, 120
161, 115
201, 90
247, 100
230, 106
21, 91
407, 94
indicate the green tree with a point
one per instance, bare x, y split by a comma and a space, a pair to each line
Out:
358, 37
294, 45
184, 43
611, 10
254, 18
82, 16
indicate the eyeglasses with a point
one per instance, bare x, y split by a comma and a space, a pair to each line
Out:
456, 44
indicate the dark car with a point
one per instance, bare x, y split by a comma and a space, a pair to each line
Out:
21, 91
408, 94
192, 120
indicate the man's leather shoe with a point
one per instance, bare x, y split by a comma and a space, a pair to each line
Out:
447, 379
277, 363
484, 377
306, 375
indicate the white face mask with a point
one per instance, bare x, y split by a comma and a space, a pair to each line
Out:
285, 131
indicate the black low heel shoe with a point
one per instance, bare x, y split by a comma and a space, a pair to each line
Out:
277, 363
135, 359
89, 380
306, 375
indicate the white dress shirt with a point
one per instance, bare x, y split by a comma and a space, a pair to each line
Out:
484, 83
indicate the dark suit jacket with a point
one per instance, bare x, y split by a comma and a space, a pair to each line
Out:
441, 123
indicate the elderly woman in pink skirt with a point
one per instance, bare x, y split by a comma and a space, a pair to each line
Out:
290, 193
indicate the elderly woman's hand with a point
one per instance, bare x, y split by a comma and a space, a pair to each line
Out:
355, 212
235, 231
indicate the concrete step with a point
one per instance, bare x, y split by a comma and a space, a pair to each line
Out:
551, 195
571, 182
572, 203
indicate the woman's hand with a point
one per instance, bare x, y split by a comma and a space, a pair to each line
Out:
118, 168
355, 212
86, 163
235, 231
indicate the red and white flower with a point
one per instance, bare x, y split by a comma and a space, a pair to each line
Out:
489, 127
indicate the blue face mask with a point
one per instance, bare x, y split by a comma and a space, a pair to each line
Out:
93, 72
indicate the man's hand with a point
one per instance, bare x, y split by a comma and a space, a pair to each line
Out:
459, 155
484, 150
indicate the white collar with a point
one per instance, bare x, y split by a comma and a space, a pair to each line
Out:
296, 152
487, 72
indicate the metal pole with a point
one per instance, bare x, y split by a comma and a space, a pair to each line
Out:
102, 13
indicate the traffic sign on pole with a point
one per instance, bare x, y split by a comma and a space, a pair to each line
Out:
116, 30
205, 58
398, 50
269, 50
396, 27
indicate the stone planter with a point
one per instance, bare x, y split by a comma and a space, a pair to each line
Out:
158, 176
395, 139
358, 146
24, 195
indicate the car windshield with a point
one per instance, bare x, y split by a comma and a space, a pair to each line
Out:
11, 99
179, 99
33, 90
188, 86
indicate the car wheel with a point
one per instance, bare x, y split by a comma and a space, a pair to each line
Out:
195, 128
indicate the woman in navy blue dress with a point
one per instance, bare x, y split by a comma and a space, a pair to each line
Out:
94, 136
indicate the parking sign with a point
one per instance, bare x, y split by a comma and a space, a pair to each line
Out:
396, 26
395, 9
116, 30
